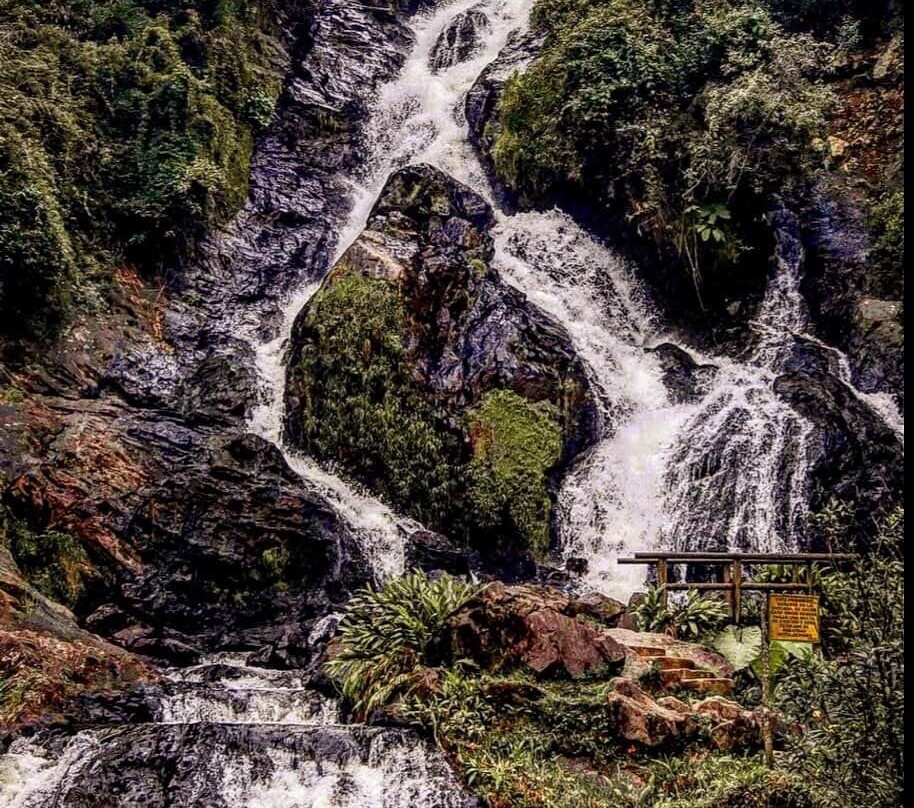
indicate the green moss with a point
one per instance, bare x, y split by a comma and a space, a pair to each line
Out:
361, 405
126, 129
885, 275
52, 561
515, 443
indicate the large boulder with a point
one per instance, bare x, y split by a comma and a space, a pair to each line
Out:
531, 627
854, 455
418, 371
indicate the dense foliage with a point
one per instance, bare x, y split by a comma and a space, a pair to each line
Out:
126, 128
685, 121
522, 741
849, 702
361, 406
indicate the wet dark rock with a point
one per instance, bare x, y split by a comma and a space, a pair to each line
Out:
686, 380
422, 307
459, 41
851, 311
130, 435
855, 456
432, 552
876, 347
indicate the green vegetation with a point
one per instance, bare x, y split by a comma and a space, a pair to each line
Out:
849, 701
886, 224
360, 400
52, 561
515, 443
362, 407
687, 121
387, 634
692, 618
126, 128
520, 741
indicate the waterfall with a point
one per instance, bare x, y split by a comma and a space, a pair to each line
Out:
232, 736
727, 471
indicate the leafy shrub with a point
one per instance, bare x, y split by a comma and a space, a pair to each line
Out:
692, 618
386, 635
361, 405
52, 561
126, 128
848, 709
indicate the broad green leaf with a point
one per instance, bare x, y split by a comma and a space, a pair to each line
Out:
739, 646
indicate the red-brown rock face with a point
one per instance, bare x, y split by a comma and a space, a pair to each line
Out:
533, 627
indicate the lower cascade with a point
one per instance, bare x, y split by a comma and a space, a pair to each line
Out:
226, 735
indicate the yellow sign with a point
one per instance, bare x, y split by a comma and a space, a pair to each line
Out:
794, 618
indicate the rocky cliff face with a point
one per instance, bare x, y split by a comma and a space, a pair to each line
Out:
418, 371
128, 435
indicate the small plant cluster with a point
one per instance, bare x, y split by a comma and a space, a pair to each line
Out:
52, 561
387, 634
692, 618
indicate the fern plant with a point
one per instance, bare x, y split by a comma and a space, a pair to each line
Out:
386, 635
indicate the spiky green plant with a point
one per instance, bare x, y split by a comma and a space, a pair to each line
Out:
693, 618
386, 635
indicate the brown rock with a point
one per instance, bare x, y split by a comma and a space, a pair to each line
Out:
677, 705
732, 725
719, 708
646, 644
529, 626
598, 606
640, 719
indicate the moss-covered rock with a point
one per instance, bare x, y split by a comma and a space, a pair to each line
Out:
416, 370
126, 131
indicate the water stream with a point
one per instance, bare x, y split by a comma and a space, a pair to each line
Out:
231, 736
728, 469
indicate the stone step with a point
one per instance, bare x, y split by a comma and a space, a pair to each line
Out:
648, 651
668, 663
717, 686
676, 676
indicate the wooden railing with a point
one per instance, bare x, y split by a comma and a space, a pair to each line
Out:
733, 577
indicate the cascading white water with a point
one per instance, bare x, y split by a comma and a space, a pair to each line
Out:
727, 471
418, 117
258, 756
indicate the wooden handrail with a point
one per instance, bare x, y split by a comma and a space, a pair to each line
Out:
716, 558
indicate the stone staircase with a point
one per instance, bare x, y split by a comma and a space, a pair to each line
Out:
679, 673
